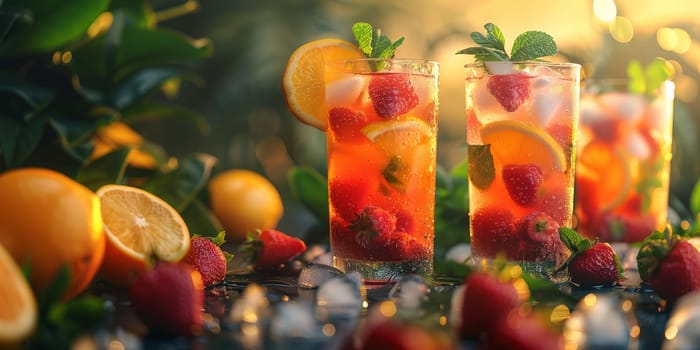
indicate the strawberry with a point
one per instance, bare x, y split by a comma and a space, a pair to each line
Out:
522, 182
510, 90
276, 249
373, 222
539, 238
626, 228
345, 123
169, 299
670, 264
486, 299
399, 246
523, 331
404, 221
343, 239
388, 334
591, 264
206, 256
493, 231
392, 94
348, 196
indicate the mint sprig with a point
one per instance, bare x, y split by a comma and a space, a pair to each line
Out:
528, 46
646, 79
373, 43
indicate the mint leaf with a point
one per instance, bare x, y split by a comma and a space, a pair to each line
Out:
532, 45
527, 46
481, 168
645, 80
373, 43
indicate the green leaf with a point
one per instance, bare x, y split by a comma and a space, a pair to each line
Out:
695, 200
532, 45
373, 43
656, 73
200, 219
140, 12
637, 82
570, 238
144, 47
108, 169
654, 248
311, 189
54, 23
180, 186
151, 111
18, 139
141, 83
363, 35
494, 37
34, 98
481, 168
56, 289
484, 54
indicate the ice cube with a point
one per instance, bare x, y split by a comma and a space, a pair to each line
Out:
313, 275
409, 292
590, 112
499, 67
683, 326
344, 91
545, 103
339, 299
628, 107
598, 322
251, 307
293, 320
456, 303
637, 146
459, 253
482, 101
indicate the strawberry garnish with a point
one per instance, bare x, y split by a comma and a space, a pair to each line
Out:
591, 263
510, 90
345, 123
392, 94
276, 248
670, 264
486, 299
522, 182
206, 256
373, 222
493, 231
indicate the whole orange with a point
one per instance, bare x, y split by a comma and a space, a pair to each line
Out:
48, 220
244, 201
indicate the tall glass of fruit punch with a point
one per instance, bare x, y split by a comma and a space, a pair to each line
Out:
381, 131
521, 121
624, 154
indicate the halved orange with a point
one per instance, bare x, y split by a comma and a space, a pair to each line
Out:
18, 310
611, 168
304, 80
139, 226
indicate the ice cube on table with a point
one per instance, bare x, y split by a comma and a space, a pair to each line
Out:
294, 320
252, 305
683, 326
598, 322
339, 300
409, 292
626, 106
313, 275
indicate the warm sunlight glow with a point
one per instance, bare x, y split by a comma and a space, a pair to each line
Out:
560, 313
674, 39
622, 30
604, 10
101, 24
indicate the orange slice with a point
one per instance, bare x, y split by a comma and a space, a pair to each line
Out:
138, 225
611, 169
18, 310
398, 134
304, 80
515, 142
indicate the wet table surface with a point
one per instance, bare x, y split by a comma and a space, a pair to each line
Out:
291, 299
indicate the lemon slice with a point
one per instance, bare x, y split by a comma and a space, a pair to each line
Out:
304, 80
611, 168
398, 134
514, 142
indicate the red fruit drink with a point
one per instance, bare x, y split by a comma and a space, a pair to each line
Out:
623, 163
381, 137
521, 118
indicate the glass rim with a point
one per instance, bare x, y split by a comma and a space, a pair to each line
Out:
614, 81
396, 60
529, 63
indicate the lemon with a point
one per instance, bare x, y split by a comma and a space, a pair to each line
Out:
397, 134
515, 142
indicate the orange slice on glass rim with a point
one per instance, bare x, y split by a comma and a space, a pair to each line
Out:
305, 79
139, 225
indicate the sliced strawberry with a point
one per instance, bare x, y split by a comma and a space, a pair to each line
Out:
510, 90
345, 124
277, 248
486, 299
348, 196
392, 94
522, 182
373, 222
493, 231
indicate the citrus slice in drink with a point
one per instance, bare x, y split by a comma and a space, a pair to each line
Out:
139, 226
304, 80
611, 168
18, 313
397, 134
515, 142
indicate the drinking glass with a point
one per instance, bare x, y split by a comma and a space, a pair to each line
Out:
381, 143
521, 122
624, 159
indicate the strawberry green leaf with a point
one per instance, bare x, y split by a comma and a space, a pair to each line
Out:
653, 250
532, 45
